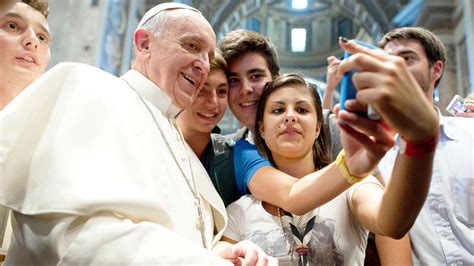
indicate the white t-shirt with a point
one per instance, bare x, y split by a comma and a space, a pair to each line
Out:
337, 238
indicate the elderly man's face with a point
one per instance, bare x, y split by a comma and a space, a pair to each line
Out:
179, 58
24, 43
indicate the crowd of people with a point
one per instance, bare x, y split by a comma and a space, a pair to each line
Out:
132, 170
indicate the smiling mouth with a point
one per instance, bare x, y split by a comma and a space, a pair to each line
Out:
27, 59
248, 104
190, 79
207, 116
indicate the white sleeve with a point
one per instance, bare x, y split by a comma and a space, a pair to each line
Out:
105, 239
235, 214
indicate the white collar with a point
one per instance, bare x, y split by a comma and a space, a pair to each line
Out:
447, 128
151, 93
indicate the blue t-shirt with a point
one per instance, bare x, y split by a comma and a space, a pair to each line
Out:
247, 160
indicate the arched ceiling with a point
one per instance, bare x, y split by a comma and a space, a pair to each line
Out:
369, 20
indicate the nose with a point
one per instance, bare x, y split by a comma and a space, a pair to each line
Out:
211, 99
246, 87
290, 117
31, 41
202, 63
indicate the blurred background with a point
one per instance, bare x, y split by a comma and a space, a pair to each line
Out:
305, 32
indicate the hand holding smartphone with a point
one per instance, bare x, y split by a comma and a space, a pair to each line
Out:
348, 90
456, 105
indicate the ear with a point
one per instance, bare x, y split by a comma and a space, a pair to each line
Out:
142, 42
437, 70
260, 129
318, 129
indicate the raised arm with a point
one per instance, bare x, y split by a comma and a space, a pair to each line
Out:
331, 81
386, 84
394, 251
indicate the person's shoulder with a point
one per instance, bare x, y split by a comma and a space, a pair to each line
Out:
243, 203
218, 138
241, 133
77, 68
77, 75
221, 145
458, 121
244, 144
457, 127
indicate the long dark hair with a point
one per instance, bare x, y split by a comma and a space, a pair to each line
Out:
321, 146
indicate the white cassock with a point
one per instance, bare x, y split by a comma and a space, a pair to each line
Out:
91, 179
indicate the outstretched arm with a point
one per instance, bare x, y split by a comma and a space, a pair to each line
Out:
385, 82
300, 195
392, 251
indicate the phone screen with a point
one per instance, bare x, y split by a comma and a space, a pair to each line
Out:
458, 106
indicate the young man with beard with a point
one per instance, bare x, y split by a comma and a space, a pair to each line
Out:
442, 233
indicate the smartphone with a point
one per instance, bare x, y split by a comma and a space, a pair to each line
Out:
456, 105
348, 91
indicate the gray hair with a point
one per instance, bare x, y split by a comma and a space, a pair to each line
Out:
155, 24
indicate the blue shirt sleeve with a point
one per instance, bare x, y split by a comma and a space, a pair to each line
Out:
247, 160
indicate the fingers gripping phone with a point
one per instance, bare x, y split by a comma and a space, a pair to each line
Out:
349, 91
456, 105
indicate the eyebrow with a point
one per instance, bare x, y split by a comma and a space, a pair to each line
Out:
222, 84
251, 71
298, 102
43, 28
256, 70
406, 52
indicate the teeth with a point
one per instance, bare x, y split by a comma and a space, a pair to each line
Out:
208, 115
28, 58
247, 104
190, 79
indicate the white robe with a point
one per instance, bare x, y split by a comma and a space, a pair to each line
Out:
91, 180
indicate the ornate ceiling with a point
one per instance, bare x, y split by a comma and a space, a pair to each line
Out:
325, 20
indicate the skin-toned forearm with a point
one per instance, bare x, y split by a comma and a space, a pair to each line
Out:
295, 195
392, 251
327, 99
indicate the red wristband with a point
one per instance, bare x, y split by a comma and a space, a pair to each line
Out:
418, 147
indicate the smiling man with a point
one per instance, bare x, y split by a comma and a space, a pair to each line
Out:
97, 172
24, 47
443, 232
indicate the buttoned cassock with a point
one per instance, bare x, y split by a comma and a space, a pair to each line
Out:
91, 179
